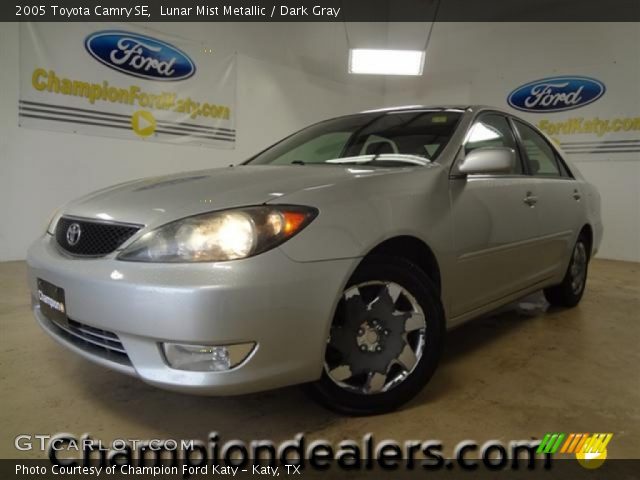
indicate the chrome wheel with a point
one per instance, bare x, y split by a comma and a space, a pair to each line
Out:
578, 269
377, 338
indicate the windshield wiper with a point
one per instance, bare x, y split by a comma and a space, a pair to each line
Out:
388, 160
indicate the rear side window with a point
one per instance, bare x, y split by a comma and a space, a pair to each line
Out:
541, 158
492, 130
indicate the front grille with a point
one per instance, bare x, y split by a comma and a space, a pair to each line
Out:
101, 343
90, 237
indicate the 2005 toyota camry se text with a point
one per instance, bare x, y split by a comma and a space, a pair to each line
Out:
338, 257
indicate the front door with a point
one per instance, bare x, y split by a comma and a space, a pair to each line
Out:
495, 225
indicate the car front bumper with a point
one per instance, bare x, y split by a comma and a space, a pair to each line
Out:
284, 306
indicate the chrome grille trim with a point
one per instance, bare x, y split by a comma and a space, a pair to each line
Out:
96, 237
102, 343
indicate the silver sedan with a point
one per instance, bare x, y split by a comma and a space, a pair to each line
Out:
337, 258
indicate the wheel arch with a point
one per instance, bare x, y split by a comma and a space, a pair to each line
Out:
587, 232
414, 250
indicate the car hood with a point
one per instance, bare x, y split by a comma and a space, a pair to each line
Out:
158, 200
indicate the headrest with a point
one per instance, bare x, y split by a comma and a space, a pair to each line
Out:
534, 165
379, 148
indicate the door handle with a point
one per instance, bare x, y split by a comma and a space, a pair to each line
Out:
576, 195
530, 199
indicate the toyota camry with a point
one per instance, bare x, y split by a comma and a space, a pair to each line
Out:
336, 258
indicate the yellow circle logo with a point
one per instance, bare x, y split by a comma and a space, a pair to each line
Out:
591, 460
143, 123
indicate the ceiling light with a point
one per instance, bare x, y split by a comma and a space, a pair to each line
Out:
386, 62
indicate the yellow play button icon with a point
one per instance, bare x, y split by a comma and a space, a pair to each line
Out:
591, 460
143, 123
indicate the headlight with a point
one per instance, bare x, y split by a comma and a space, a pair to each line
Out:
220, 236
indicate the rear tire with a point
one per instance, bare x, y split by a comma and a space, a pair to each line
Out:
386, 339
569, 292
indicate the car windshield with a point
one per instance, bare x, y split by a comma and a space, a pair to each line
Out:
387, 139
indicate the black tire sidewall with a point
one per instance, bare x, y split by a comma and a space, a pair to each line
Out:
562, 295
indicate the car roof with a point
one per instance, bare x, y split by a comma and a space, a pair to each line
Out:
408, 108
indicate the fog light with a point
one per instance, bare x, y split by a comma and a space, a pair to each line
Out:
206, 358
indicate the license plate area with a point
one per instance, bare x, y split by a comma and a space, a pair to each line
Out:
52, 303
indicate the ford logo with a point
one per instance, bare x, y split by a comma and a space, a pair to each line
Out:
139, 55
555, 94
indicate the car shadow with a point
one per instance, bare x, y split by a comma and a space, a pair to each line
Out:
476, 335
276, 415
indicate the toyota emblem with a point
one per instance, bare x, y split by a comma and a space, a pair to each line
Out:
73, 234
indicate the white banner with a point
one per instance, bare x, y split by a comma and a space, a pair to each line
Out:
125, 82
592, 112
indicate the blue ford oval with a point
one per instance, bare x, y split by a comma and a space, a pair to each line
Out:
556, 94
139, 55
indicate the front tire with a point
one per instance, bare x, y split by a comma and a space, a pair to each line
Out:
385, 340
569, 292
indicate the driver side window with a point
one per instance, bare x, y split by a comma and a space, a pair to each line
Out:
493, 130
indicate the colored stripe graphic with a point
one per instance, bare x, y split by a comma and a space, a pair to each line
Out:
598, 443
581, 443
570, 440
592, 444
558, 442
574, 443
550, 443
543, 443
606, 441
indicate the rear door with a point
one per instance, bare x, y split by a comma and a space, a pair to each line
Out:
559, 201
495, 224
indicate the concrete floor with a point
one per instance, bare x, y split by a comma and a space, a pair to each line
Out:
514, 375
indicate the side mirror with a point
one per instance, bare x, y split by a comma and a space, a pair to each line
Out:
488, 160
